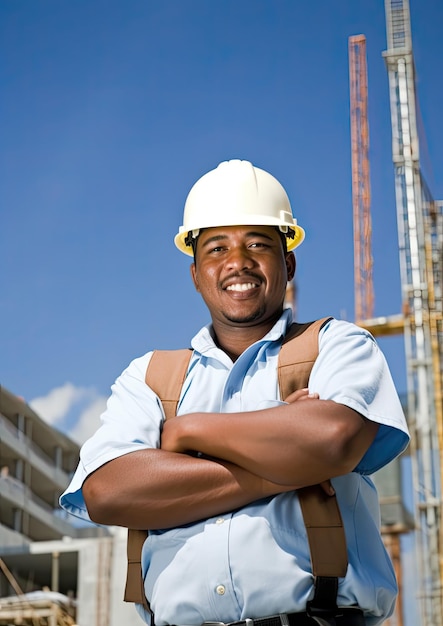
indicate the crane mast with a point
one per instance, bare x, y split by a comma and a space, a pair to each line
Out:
361, 189
420, 240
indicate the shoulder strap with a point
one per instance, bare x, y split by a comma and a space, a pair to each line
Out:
321, 514
321, 511
165, 374
134, 588
327, 545
297, 356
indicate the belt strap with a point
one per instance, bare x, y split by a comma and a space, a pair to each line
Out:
346, 616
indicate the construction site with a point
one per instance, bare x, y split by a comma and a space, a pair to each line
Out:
420, 244
56, 601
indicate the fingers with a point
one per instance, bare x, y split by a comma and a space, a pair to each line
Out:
327, 487
301, 394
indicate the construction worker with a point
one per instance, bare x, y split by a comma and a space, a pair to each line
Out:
217, 484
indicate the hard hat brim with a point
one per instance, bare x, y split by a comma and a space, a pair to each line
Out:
291, 242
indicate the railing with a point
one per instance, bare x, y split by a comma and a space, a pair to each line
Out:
21, 437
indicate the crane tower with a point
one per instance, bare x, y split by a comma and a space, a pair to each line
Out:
361, 189
420, 238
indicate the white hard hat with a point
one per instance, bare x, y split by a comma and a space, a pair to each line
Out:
237, 194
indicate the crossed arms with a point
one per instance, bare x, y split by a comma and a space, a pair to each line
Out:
243, 457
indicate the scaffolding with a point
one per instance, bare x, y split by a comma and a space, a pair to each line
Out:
394, 518
420, 240
38, 608
420, 224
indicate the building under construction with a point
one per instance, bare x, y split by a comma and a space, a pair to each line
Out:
53, 570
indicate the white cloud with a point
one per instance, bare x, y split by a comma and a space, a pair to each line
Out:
56, 404
72, 410
89, 420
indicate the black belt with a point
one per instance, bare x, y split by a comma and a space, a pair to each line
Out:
348, 616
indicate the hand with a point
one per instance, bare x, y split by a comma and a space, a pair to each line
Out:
170, 439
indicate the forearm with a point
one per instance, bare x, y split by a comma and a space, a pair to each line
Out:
158, 489
299, 444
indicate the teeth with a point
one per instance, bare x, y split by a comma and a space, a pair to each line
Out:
241, 287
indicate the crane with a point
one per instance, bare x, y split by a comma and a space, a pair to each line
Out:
361, 189
420, 239
419, 220
388, 480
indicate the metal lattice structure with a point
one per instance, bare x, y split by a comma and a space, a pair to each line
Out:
361, 189
420, 228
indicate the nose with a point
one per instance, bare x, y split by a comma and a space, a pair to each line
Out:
239, 258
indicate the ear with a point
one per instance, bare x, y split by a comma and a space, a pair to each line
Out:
290, 265
194, 276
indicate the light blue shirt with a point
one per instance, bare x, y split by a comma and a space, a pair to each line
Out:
255, 561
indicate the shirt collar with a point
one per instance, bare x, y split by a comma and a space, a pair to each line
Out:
203, 341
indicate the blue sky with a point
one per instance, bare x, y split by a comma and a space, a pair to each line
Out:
110, 110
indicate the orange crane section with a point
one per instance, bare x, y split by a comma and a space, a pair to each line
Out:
361, 190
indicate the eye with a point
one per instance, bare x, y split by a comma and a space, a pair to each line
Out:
258, 244
215, 249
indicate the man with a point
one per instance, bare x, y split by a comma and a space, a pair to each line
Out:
217, 484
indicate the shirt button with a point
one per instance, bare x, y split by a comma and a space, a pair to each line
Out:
220, 520
220, 590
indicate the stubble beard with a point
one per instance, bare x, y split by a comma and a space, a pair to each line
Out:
244, 319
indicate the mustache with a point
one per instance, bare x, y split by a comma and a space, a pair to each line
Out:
245, 274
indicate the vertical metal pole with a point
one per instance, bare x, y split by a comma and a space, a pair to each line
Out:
55, 571
412, 223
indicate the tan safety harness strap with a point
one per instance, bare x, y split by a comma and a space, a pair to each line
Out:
166, 374
134, 589
297, 356
324, 527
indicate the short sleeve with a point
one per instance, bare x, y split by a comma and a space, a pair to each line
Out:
132, 421
352, 370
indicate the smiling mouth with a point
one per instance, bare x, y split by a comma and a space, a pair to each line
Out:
241, 287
